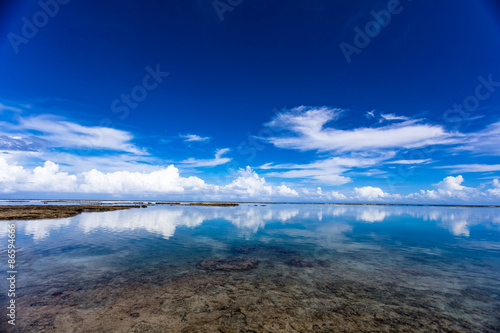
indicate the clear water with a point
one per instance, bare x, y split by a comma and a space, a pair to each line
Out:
321, 268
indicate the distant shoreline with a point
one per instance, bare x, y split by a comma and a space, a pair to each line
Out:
55, 211
235, 203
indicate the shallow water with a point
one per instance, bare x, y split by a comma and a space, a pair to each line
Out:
321, 268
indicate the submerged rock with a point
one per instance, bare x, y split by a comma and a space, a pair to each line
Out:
302, 263
215, 264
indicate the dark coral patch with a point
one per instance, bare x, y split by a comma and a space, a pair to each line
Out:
214, 264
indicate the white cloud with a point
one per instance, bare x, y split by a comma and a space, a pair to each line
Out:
336, 195
327, 177
10, 173
221, 152
108, 163
49, 178
55, 132
322, 196
451, 183
451, 191
4, 107
496, 188
249, 183
76, 163
165, 180
193, 138
483, 142
327, 171
21, 143
392, 117
422, 161
46, 178
218, 160
306, 130
370, 193
472, 167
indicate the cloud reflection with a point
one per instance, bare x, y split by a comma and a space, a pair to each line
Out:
249, 219
41, 229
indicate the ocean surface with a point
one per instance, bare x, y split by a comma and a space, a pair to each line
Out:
258, 268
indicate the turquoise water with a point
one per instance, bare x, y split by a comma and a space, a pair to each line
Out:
321, 268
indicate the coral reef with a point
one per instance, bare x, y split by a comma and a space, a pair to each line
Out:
36, 212
215, 264
260, 300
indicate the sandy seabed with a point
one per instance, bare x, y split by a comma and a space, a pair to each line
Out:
274, 290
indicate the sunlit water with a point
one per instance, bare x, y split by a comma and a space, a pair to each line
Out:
321, 268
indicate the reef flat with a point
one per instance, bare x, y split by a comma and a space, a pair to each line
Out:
37, 212
272, 297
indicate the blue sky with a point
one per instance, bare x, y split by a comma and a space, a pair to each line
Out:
327, 101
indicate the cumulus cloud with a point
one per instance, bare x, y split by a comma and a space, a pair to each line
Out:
451, 183
450, 190
496, 188
10, 173
250, 184
48, 178
336, 195
165, 180
322, 196
306, 129
370, 193
193, 138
